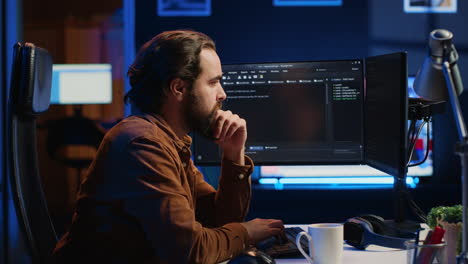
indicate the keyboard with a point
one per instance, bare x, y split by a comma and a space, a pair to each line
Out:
284, 249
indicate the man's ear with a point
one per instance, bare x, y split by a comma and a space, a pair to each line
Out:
177, 88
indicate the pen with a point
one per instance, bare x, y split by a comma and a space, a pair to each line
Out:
416, 243
434, 237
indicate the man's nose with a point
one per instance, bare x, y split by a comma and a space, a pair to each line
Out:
222, 95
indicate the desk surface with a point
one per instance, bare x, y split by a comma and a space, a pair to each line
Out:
373, 254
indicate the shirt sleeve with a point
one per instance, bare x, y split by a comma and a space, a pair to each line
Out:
159, 202
230, 203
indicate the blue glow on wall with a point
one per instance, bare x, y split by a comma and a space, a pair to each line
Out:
184, 8
307, 2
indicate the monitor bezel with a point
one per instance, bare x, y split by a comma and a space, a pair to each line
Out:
400, 170
196, 137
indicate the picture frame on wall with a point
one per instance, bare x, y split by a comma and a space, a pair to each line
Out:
307, 2
430, 6
167, 8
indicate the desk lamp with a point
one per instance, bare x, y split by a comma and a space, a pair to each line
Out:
439, 79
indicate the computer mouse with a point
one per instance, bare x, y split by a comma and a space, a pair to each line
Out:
252, 256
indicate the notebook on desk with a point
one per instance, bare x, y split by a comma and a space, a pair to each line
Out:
284, 249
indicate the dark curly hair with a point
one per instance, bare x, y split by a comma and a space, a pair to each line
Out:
169, 55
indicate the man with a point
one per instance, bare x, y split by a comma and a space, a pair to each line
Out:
143, 200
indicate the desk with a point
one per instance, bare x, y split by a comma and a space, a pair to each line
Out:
372, 255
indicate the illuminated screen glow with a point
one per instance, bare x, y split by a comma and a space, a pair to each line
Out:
81, 84
423, 170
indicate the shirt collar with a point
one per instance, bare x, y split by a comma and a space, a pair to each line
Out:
180, 143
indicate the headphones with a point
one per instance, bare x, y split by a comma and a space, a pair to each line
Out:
362, 231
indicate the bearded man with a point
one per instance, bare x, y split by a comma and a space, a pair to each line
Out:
143, 200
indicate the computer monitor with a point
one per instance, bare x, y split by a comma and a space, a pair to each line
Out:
321, 112
326, 174
386, 113
297, 112
81, 84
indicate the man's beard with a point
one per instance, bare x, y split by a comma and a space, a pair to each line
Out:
198, 121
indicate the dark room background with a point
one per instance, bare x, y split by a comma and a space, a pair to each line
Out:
248, 31
257, 31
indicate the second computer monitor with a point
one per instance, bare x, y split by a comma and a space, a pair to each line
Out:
81, 84
296, 113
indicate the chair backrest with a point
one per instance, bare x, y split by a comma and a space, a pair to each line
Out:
29, 96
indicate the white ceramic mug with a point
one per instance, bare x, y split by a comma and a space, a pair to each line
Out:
325, 243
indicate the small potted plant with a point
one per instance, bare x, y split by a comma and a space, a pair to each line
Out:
450, 219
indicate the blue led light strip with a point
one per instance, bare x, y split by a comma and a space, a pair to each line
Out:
412, 182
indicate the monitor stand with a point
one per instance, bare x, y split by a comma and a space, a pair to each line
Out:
400, 206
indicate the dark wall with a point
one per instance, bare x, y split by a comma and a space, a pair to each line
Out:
255, 31
390, 30
3, 197
55, 10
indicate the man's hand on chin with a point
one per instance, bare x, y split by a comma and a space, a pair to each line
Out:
230, 133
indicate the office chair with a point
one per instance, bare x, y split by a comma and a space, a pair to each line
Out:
29, 96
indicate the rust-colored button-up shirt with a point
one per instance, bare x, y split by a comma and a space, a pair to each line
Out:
144, 201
